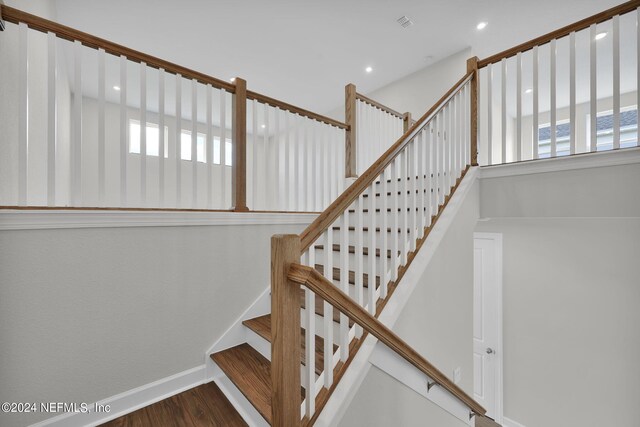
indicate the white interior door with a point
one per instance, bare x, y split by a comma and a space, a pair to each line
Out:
487, 323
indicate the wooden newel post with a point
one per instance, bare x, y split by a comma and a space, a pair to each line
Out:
406, 122
285, 324
239, 150
350, 140
472, 66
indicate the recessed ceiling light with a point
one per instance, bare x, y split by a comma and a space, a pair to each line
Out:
600, 36
482, 25
116, 88
368, 69
528, 90
232, 79
263, 126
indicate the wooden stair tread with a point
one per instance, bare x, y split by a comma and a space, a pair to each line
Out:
262, 326
251, 373
352, 250
352, 276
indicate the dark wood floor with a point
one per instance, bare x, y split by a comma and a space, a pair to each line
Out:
204, 405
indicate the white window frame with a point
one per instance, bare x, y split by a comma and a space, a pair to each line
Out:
149, 125
608, 113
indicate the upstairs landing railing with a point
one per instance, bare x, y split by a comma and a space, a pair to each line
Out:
100, 125
572, 91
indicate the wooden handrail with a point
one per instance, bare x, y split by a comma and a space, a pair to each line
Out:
317, 283
376, 104
37, 23
342, 203
293, 109
562, 32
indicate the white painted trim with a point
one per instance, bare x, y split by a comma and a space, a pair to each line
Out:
131, 400
499, 380
49, 219
348, 386
506, 422
622, 156
390, 362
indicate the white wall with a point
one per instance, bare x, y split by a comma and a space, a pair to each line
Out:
418, 92
571, 338
89, 313
383, 401
594, 192
438, 323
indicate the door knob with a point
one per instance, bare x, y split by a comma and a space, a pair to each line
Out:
489, 350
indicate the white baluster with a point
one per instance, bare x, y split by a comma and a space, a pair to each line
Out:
404, 205
553, 51
310, 342
638, 71
536, 98
76, 139
344, 284
421, 182
412, 156
371, 257
178, 140
395, 219
209, 146
143, 134
23, 114
328, 310
519, 107
384, 237
194, 144
161, 139
223, 148
616, 81
490, 114
593, 107
254, 150
359, 267
52, 116
503, 79
287, 172
123, 131
275, 178
572, 93
101, 124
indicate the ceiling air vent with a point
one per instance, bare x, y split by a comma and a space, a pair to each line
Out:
405, 22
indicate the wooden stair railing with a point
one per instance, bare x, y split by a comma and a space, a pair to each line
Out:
389, 210
309, 277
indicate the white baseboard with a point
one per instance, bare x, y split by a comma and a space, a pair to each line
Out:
131, 400
506, 422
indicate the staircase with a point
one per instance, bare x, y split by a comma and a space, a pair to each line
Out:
358, 249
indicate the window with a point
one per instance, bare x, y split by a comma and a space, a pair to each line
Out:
628, 129
563, 134
185, 146
153, 139
227, 151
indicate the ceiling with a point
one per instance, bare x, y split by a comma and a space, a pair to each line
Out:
304, 52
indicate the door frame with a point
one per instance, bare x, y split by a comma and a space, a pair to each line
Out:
499, 359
